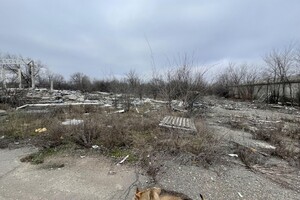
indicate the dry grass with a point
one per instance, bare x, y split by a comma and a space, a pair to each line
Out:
286, 142
117, 135
285, 136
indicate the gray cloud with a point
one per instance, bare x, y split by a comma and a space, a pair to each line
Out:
101, 37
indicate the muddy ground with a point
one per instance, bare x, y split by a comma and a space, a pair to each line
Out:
90, 176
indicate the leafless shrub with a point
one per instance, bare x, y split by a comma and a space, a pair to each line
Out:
4, 106
249, 156
287, 146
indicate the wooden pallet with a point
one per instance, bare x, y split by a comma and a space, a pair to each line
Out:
179, 123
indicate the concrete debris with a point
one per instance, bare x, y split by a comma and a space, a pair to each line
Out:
159, 102
95, 147
72, 122
73, 97
56, 98
178, 123
3, 112
137, 102
55, 105
120, 111
264, 145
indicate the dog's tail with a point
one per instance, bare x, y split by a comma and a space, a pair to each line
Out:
201, 196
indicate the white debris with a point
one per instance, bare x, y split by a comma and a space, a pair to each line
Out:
233, 155
264, 145
72, 122
95, 147
2, 137
55, 105
240, 195
3, 112
123, 160
119, 111
147, 100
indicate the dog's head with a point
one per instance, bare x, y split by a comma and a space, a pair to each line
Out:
148, 194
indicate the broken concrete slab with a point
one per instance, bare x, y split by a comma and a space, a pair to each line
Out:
56, 105
178, 123
3, 112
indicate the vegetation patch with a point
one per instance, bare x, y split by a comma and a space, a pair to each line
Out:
38, 157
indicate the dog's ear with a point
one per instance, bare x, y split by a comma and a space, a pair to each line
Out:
137, 194
201, 196
157, 190
154, 193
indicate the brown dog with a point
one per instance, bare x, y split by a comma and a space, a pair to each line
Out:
160, 194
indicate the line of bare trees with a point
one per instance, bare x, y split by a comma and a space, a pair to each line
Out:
280, 68
182, 80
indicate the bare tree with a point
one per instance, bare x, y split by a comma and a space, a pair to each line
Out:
134, 83
233, 77
184, 82
251, 77
80, 81
239, 79
280, 67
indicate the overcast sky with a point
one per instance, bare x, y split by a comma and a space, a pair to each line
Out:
101, 38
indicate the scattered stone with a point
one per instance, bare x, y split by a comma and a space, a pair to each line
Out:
111, 172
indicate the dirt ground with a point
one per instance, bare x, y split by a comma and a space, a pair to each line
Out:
65, 177
96, 177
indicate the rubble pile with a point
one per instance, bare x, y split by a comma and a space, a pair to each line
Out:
40, 99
